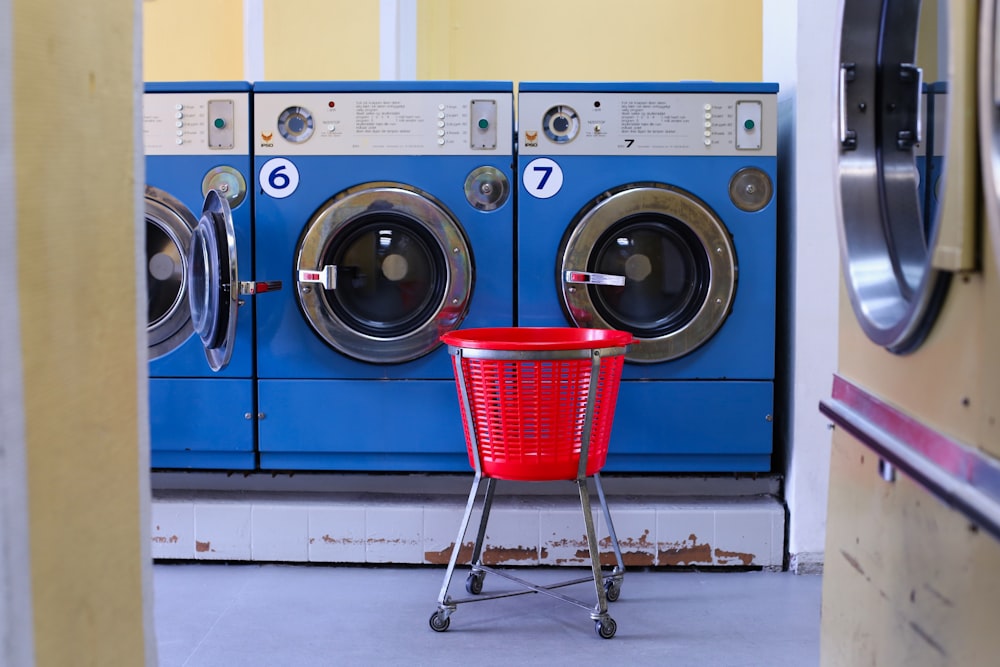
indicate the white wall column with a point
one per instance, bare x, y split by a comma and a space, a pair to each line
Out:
16, 628
397, 40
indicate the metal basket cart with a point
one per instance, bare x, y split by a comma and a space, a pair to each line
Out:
537, 404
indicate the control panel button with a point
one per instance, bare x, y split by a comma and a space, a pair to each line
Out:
221, 131
483, 133
748, 115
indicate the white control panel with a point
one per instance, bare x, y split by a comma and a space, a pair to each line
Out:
688, 123
195, 123
403, 123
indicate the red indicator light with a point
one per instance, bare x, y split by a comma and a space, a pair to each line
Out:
331, 104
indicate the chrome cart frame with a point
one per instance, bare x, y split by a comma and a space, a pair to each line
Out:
607, 585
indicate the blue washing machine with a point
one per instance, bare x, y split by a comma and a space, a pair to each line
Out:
650, 207
197, 139
388, 207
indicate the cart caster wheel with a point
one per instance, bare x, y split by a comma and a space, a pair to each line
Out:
606, 628
612, 589
439, 622
474, 583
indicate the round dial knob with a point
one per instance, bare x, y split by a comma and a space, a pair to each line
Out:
561, 124
295, 124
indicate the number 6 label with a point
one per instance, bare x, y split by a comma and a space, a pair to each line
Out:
278, 177
542, 178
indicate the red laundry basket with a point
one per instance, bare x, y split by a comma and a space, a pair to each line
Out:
527, 389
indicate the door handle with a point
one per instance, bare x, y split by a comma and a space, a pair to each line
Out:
585, 278
848, 137
327, 276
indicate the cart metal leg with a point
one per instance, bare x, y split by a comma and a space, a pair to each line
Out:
612, 584
607, 587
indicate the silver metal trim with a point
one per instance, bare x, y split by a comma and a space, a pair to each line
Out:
534, 355
655, 199
989, 116
176, 220
959, 475
215, 231
894, 289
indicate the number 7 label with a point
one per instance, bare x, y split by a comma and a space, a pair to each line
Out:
542, 178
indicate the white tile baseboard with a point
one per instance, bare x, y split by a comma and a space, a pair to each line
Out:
727, 532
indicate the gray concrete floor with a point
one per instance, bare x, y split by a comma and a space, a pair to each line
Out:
214, 614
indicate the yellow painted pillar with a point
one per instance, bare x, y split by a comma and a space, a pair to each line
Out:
81, 381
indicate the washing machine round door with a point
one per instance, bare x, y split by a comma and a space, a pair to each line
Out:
907, 179
653, 260
989, 115
214, 289
383, 271
169, 227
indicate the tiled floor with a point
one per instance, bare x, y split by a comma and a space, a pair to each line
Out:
247, 615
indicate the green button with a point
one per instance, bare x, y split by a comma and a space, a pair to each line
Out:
748, 124
220, 123
483, 123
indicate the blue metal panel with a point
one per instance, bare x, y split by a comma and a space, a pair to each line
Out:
687, 426
647, 87
202, 423
361, 425
198, 86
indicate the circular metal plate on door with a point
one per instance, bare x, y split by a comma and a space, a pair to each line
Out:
228, 181
487, 188
750, 189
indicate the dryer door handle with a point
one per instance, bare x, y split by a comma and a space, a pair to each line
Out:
259, 287
585, 278
327, 276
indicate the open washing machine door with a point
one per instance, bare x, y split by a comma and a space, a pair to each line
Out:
383, 271
989, 115
902, 237
169, 227
653, 260
214, 287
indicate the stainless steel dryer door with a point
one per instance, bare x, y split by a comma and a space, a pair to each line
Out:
214, 287
653, 260
989, 115
905, 85
383, 271
169, 227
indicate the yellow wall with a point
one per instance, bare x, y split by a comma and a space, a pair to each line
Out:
590, 40
192, 40
321, 40
76, 221
519, 40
